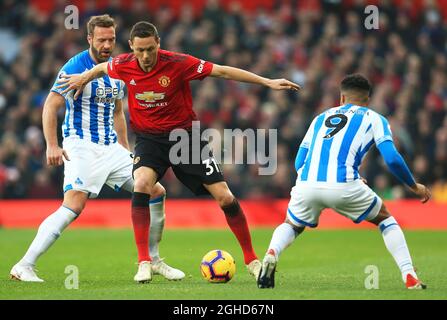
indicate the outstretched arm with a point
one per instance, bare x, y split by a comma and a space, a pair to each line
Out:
77, 82
400, 170
237, 74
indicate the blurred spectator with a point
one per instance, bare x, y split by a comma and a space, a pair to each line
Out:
382, 187
314, 43
42, 186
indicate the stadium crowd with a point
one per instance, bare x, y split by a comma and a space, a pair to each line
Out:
309, 42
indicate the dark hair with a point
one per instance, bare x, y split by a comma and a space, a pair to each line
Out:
104, 21
143, 29
356, 82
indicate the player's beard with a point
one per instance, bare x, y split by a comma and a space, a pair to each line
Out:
101, 56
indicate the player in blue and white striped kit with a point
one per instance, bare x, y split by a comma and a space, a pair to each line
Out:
328, 163
95, 152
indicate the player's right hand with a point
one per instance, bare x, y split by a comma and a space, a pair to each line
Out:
283, 84
422, 192
54, 156
71, 82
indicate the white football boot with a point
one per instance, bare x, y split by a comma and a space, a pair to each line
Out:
144, 273
254, 268
24, 273
267, 277
160, 267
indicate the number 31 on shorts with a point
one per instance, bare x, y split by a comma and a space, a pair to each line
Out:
211, 165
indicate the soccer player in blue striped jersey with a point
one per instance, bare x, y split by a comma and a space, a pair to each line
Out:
95, 152
328, 163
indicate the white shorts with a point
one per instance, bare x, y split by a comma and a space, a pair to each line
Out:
92, 165
354, 200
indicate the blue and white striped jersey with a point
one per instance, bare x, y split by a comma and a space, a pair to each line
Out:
91, 115
338, 140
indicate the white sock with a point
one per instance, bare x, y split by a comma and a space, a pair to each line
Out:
157, 208
395, 243
49, 230
282, 237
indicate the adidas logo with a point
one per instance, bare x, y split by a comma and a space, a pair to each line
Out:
132, 82
79, 181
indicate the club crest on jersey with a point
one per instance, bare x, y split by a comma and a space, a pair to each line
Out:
164, 81
150, 96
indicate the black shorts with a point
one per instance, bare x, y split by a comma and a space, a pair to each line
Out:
154, 151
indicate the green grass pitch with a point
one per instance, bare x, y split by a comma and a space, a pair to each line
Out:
319, 265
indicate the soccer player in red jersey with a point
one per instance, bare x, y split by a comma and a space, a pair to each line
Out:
95, 152
160, 101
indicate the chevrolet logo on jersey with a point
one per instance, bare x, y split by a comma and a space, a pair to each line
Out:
150, 96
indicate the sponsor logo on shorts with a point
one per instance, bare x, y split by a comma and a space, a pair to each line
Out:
136, 160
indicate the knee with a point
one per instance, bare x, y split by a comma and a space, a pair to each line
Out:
381, 216
75, 207
158, 191
226, 200
144, 180
297, 229
142, 185
75, 201
231, 207
384, 211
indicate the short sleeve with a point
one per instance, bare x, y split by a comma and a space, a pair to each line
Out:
68, 68
113, 68
195, 68
381, 129
121, 90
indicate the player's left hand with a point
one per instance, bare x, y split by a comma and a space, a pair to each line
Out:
71, 82
422, 192
283, 84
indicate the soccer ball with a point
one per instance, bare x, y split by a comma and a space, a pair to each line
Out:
218, 266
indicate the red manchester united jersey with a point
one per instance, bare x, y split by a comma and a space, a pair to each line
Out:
160, 100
